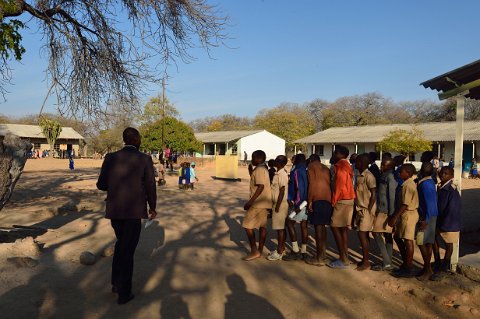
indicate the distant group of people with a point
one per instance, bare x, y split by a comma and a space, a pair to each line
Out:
354, 193
187, 176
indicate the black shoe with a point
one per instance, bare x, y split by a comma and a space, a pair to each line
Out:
305, 256
292, 256
122, 301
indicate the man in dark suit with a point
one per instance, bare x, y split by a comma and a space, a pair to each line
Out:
128, 178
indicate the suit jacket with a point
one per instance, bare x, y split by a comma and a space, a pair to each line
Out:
128, 177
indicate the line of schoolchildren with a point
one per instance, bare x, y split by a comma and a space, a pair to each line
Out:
387, 201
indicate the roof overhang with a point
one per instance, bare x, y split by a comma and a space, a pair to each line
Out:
461, 81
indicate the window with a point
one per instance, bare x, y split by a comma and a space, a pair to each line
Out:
56, 147
411, 157
36, 146
319, 150
234, 149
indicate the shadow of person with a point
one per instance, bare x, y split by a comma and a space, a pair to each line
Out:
242, 304
174, 307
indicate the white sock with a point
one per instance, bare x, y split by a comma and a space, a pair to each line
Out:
295, 247
304, 248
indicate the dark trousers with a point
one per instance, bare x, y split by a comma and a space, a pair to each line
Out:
127, 232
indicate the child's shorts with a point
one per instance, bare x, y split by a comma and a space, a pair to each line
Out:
322, 213
381, 224
450, 237
364, 219
427, 236
279, 218
299, 217
255, 218
342, 214
405, 228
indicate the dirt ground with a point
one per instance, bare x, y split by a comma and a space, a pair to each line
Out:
188, 264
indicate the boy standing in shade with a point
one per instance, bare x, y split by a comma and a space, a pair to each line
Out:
280, 205
319, 206
365, 191
448, 222
342, 201
387, 187
297, 194
258, 205
428, 212
405, 218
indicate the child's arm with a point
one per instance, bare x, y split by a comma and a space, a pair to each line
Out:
392, 220
373, 198
257, 193
281, 194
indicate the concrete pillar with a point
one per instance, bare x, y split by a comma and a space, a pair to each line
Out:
226, 148
215, 150
439, 150
459, 141
356, 148
295, 151
313, 148
458, 163
203, 154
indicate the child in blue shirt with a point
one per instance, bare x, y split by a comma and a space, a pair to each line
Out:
448, 222
297, 194
428, 212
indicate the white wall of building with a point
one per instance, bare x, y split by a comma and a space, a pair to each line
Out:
271, 144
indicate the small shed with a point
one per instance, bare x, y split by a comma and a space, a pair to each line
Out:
239, 142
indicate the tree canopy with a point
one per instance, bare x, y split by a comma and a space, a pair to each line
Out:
51, 129
405, 142
152, 111
178, 135
289, 121
106, 50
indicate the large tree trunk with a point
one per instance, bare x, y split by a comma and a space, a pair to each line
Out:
13, 155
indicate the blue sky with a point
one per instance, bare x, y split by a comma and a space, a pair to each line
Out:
297, 51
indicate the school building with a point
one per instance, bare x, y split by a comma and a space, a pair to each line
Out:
362, 139
69, 139
238, 142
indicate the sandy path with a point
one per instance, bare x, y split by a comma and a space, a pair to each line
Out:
188, 264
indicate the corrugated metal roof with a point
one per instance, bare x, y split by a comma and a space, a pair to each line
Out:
34, 131
435, 132
462, 75
223, 136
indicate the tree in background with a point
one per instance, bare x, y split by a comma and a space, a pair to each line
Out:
178, 135
226, 122
289, 121
51, 129
405, 142
93, 56
153, 110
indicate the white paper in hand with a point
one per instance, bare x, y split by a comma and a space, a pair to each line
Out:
148, 223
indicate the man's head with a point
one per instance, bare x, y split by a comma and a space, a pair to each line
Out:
281, 161
300, 159
426, 169
341, 152
446, 174
407, 171
192, 164
131, 136
258, 157
387, 164
362, 161
427, 156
